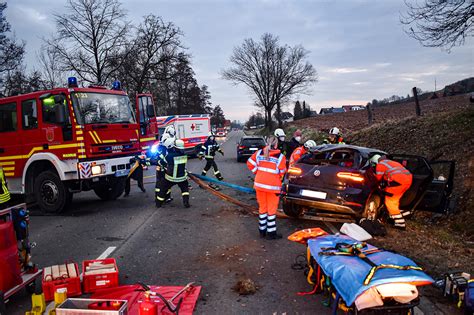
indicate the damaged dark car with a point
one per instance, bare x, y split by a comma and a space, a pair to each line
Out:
337, 183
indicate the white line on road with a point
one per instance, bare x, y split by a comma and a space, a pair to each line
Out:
107, 252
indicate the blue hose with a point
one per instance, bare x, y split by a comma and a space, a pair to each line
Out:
237, 187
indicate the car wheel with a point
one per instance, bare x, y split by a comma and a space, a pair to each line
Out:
51, 193
291, 209
372, 207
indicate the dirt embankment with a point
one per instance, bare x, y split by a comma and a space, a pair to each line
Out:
357, 120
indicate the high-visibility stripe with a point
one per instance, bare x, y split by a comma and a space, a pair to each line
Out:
9, 174
97, 136
276, 188
79, 132
93, 137
109, 141
81, 150
7, 163
160, 199
251, 162
33, 150
146, 139
271, 229
80, 138
268, 170
12, 168
185, 194
157, 189
82, 156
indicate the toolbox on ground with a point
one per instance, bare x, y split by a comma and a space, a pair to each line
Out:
61, 276
76, 306
99, 274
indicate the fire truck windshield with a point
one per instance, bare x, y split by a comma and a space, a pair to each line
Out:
101, 108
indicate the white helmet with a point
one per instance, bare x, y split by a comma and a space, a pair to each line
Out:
170, 130
310, 145
168, 142
334, 131
179, 144
375, 158
165, 136
279, 133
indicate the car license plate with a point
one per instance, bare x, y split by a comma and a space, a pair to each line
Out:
253, 149
121, 173
313, 194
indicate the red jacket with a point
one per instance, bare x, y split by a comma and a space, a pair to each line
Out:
268, 171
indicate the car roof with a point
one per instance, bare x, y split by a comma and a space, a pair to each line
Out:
253, 137
363, 150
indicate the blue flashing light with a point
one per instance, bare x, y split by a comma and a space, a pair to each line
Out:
116, 85
154, 148
72, 82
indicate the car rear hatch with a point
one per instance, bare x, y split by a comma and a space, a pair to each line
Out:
250, 146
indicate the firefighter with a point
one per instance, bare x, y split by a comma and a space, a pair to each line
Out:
294, 143
136, 172
269, 167
208, 151
4, 193
175, 173
334, 137
282, 144
166, 143
395, 180
308, 146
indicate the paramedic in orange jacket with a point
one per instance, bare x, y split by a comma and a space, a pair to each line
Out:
309, 145
397, 180
269, 167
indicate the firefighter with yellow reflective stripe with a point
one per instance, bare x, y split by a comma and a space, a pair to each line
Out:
269, 167
159, 158
208, 151
395, 180
175, 174
4, 193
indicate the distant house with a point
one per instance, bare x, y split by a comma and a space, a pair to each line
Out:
286, 116
313, 113
325, 111
350, 108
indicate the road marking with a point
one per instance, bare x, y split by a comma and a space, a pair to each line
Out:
331, 227
107, 252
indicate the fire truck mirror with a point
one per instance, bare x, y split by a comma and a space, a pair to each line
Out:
150, 111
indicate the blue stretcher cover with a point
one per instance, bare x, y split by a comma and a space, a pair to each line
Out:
347, 273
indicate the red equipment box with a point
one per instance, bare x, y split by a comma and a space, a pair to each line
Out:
99, 274
68, 278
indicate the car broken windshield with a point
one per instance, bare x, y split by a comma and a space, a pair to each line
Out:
101, 108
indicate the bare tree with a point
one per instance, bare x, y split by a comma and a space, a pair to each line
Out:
156, 42
11, 52
271, 71
436, 23
90, 37
51, 71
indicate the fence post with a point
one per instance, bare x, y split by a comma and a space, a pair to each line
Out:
417, 103
369, 113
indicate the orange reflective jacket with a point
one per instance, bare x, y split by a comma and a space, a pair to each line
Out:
269, 171
392, 171
297, 154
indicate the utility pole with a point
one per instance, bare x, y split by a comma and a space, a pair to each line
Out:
417, 103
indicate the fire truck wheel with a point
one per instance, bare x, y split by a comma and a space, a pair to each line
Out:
51, 193
111, 191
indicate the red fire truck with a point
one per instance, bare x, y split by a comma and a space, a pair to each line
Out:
65, 140
145, 110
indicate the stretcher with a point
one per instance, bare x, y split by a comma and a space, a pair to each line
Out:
357, 277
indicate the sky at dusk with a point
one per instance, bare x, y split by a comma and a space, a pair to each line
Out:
358, 48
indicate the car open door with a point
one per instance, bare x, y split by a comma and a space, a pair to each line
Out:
438, 194
422, 173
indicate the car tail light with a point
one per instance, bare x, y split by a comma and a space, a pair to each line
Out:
352, 176
295, 171
241, 147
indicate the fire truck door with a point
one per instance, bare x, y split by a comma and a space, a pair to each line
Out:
146, 114
10, 147
56, 127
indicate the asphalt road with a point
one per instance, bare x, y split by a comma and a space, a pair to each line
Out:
214, 244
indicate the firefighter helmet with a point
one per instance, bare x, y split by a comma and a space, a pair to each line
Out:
310, 145
179, 144
170, 130
375, 159
334, 131
168, 142
279, 133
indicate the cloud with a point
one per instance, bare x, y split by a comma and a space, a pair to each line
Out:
31, 14
383, 64
347, 70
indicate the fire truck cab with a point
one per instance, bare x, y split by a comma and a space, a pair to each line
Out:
58, 142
